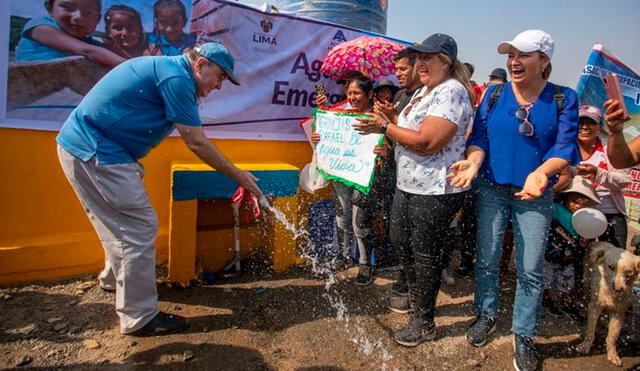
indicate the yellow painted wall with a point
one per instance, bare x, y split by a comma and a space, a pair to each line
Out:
44, 232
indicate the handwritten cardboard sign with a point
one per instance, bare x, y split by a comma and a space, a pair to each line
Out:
342, 153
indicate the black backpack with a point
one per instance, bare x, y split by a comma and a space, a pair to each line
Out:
558, 96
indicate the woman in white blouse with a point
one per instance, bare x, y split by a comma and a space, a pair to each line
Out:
429, 137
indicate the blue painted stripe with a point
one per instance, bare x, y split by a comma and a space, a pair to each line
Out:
201, 185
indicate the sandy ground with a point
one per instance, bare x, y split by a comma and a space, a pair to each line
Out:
262, 321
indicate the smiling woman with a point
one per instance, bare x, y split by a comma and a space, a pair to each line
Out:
429, 137
531, 129
610, 181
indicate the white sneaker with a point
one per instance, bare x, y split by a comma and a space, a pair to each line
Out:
448, 278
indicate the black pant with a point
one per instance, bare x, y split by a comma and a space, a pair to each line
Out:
419, 225
616, 233
377, 204
463, 236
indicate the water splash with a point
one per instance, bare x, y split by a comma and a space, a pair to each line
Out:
354, 329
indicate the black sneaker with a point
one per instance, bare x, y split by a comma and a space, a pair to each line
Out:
400, 304
162, 324
400, 288
415, 333
365, 275
479, 330
525, 356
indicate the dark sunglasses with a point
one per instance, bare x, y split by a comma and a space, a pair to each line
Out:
525, 128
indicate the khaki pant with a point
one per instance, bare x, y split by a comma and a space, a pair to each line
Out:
116, 201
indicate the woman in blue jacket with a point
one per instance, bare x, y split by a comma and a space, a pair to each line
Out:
524, 134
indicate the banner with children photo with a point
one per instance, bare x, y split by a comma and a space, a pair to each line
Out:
591, 91
58, 49
55, 59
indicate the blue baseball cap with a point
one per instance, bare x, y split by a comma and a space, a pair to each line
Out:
218, 54
438, 43
500, 73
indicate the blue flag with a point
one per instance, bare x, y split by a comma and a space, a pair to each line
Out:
591, 88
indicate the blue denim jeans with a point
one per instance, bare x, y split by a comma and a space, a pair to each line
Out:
530, 219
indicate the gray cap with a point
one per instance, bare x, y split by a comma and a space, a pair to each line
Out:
583, 186
385, 83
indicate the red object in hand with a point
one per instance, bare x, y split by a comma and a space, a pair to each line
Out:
241, 194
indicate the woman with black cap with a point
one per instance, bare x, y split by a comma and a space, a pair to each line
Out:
429, 137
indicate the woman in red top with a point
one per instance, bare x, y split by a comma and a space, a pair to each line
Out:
609, 181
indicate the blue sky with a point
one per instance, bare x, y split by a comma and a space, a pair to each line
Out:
478, 27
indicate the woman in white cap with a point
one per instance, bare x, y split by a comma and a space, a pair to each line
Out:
524, 134
609, 181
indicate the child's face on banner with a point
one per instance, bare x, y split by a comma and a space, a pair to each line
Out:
124, 30
78, 18
170, 22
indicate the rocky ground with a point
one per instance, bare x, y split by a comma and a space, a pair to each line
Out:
263, 321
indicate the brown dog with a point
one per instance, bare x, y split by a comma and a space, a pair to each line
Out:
613, 272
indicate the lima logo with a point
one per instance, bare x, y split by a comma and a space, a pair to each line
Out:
261, 37
337, 39
266, 25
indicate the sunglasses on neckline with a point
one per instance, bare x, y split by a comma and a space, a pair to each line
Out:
413, 102
525, 128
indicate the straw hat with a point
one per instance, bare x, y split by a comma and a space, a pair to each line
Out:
583, 186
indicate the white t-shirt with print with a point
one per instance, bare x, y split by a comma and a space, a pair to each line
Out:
426, 175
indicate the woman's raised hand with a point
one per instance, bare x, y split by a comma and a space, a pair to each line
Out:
462, 173
614, 116
534, 186
321, 100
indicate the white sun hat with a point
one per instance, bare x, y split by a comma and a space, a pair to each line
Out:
529, 41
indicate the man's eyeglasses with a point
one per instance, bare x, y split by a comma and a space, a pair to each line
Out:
525, 128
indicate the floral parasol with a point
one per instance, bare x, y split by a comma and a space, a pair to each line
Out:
368, 54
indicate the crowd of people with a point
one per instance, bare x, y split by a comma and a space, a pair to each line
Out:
506, 163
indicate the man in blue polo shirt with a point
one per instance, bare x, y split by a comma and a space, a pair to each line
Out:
126, 114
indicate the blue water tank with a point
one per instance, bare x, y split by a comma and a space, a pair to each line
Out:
370, 15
